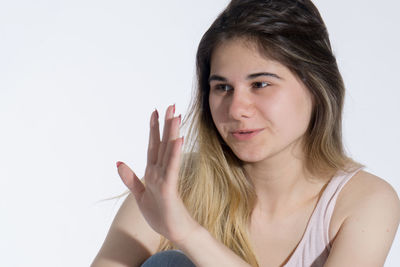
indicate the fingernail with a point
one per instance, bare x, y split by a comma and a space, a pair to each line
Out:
154, 118
180, 119
119, 163
157, 114
174, 109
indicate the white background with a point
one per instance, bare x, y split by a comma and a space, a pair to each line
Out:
79, 80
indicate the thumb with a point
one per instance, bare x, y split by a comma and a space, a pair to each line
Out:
130, 180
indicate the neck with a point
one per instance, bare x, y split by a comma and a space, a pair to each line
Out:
282, 185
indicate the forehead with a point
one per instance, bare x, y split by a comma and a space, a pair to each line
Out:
239, 55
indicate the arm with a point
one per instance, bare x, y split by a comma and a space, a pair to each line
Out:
130, 240
366, 235
212, 253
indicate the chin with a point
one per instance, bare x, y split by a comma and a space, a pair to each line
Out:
249, 156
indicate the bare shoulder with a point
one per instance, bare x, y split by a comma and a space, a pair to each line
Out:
365, 187
369, 211
130, 240
361, 189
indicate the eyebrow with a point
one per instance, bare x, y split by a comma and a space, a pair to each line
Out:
249, 77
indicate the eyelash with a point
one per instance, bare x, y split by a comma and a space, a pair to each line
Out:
220, 86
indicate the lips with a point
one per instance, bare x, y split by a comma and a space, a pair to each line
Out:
246, 131
245, 134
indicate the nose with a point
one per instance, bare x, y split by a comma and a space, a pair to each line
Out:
241, 105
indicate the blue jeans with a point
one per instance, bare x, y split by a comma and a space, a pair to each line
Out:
168, 258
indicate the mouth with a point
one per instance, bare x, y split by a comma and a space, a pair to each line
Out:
245, 134
245, 131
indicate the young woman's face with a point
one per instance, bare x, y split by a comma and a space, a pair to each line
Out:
251, 93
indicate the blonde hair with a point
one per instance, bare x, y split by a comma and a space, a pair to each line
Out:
212, 182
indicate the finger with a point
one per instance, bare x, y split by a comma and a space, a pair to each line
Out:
169, 114
131, 180
154, 139
174, 134
173, 163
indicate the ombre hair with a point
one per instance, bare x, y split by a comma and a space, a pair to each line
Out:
212, 182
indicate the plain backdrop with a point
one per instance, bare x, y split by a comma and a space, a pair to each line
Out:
79, 80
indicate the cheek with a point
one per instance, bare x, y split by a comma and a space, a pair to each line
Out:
287, 111
304, 104
274, 108
299, 111
216, 113
213, 105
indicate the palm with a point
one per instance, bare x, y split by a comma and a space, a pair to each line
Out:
158, 199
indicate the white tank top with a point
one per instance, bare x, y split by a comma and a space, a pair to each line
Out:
314, 247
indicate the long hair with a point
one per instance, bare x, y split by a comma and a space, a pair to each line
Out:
212, 182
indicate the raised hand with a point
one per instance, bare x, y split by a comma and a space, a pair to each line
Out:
158, 199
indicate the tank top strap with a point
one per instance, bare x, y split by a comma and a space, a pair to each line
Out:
330, 196
314, 247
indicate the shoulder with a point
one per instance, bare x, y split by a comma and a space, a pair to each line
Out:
130, 240
371, 214
364, 189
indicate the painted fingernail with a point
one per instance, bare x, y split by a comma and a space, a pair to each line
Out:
180, 119
119, 163
154, 118
174, 109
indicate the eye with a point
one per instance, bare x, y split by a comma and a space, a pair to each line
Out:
222, 87
227, 87
261, 84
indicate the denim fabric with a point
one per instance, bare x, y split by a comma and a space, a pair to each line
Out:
168, 258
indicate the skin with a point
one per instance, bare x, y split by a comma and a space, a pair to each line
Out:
282, 109
281, 105
159, 202
274, 160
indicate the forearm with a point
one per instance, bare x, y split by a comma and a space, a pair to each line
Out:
205, 251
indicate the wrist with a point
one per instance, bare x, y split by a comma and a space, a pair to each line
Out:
195, 232
200, 242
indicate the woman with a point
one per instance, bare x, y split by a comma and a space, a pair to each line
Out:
264, 180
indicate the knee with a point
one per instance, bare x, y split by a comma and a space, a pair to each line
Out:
168, 258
